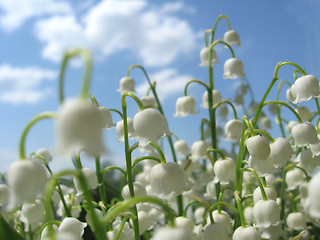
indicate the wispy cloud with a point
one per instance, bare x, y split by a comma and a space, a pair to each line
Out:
156, 37
24, 85
15, 13
169, 83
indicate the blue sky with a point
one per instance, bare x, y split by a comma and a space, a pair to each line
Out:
164, 36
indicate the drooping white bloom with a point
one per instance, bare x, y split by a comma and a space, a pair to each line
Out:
315, 148
281, 152
27, 179
127, 84
120, 130
72, 226
232, 38
263, 167
211, 190
90, 177
270, 192
199, 150
106, 117
184, 223
265, 123
266, 213
305, 88
294, 178
4, 194
248, 215
45, 153
216, 97
233, 68
304, 134
73, 203
199, 214
304, 113
146, 221
150, 125
79, 125
148, 101
314, 196
216, 231
224, 218
296, 221
224, 170
204, 57
89, 220
184, 106
170, 233
258, 147
233, 130
290, 125
168, 180
247, 233
126, 233
308, 161
32, 213
138, 189
181, 147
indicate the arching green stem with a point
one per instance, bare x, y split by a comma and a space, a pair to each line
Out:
53, 222
37, 118
85, 54
217, 151
117, 111
226, 101
204, 121
189, 205
263, 193
249, 125
94, 100
264, 133
286, 105
216, 24
156, 147
140, 159
107, 169
194, 81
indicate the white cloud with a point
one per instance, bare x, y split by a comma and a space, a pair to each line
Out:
156, 37
24, 85
15, 13
169, 83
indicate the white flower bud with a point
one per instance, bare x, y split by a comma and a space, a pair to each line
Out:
45, 153
181, 147
106, 118
216, 231
294, 178
224, 170
120, 130
258, 147
148, 101
211, 190
170, 233
296, 221
314, 196
270, 192
223, 217
305, 88
304, 113
199, 150
127, 84
185, 105
247, 233
139, 191
308, 161
216, 97
265, 123
4, 194
27, 179
72, 226
89, 217
90, 177
150, 126
266, 213
232, 38
204, 57
146, 221
184, 223
168, 180
233, 68
32, 213
263, 168
248, 215
281, 152
304, 134
233, 130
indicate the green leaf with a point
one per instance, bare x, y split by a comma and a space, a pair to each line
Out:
7, 232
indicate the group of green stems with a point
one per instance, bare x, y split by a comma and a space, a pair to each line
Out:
131, 204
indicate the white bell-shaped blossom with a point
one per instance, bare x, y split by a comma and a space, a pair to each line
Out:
233, 130
126, 233
290, 125
296, 221
232, 38
73, 203
89, 219
32, 213
258, 147
266, 213
211, 190
304, 113
314, 196
273, 232
248, 215
150, 125
171, 233
184, 223
246, 233
198, 214
72, 226
309, 162
233, 68
304, 134
222, 217
168, 180
45, 153
238, 99
4, 195
265, 123
281, 152
138, 189
224, 170
127, 84
79, 125
90, 177
289, 95
106, 117
204, 57
120, 130
305, 88
216, 97
270, 192
148, 101
27, 179
215, 231
146, 221
182, 148
199, 150
184, 106
263, 168
294, 178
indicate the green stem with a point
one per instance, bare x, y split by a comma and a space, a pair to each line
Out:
107, 169
101, 187
226, 101
263, 193
217, 151
137, 160
249, 125
240, 209
189, 205
86, 75
37, 118
117, 111
94, 100
194, 81
216, 24
162, 157
124, 220
286, 105
54, 222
